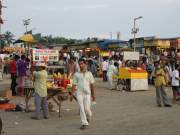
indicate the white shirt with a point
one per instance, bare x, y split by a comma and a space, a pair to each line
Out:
2, 56
105, 66
83, 81
65, 55
112, 70
175, 74
120, 63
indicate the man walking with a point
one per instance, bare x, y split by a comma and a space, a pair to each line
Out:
105, 66
84, 90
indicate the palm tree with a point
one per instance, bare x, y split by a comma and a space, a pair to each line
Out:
8, 37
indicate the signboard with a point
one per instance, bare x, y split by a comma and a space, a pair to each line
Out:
131, 56
45, 55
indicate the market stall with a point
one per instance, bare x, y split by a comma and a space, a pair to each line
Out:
137, 78
56, 87
58, 95
132, 77
57, 81
18, 50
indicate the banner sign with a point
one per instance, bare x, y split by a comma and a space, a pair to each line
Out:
45, 55
131, 56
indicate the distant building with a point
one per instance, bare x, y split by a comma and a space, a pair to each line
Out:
175, 43
112, 44
100, 44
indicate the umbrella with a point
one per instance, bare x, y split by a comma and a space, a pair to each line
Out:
27, 38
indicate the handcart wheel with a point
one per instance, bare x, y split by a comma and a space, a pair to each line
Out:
121, 85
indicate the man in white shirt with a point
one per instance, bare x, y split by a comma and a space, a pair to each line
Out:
83, 89
175, 83
112, 70
105, 66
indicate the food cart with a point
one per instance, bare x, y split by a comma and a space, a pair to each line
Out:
132, 78
57, 79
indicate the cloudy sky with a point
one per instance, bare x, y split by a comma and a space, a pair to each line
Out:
88, 18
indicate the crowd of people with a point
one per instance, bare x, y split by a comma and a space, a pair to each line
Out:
82, 89
17, 66
162, 73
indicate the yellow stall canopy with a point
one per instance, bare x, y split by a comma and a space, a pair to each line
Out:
104, 54
28, 38
131, 73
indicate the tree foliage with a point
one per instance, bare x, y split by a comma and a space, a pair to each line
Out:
7, 38
49, 40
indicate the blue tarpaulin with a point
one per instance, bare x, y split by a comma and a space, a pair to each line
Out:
105, 44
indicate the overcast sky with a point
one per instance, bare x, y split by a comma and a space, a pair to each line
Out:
89, 18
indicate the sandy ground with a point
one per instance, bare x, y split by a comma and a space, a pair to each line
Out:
116, 113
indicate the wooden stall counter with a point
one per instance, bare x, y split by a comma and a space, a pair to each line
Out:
58, 95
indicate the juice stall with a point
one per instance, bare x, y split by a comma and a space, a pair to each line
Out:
133, 78
136, 78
